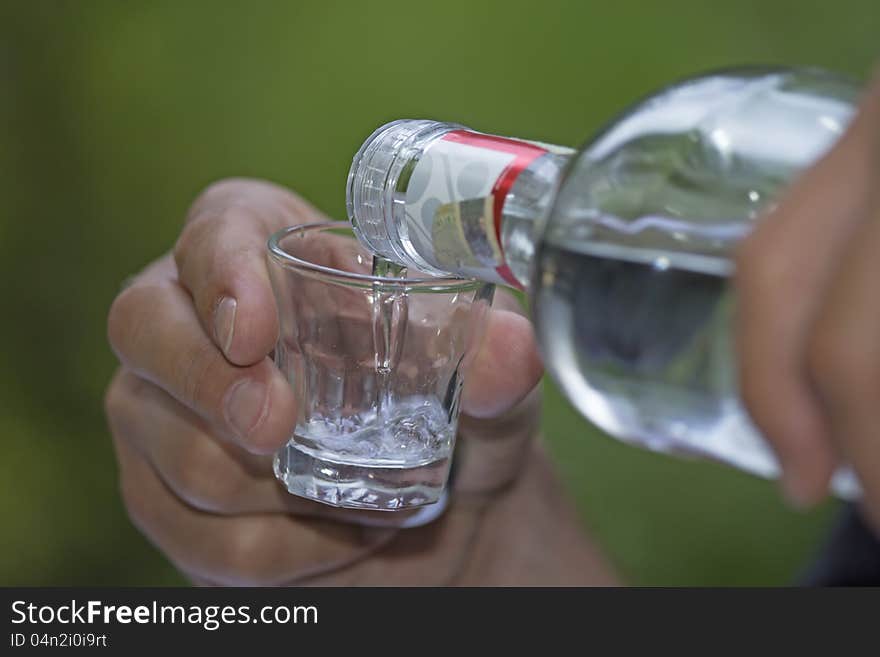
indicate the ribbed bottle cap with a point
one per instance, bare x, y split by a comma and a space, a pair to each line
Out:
372, 181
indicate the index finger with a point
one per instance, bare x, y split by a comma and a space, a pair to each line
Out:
783, 270
221, 260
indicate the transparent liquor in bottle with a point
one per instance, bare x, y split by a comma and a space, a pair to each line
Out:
624, 246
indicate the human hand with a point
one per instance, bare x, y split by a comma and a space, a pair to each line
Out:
197, 408
808, 313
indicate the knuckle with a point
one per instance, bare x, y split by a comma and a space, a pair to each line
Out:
233, 256
129, 314
215, 196
119, 408
135, 502
221, 190
198, 370
113, 396
193, 250
119, 318
189, 237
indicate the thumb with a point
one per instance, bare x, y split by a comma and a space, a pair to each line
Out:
507, 366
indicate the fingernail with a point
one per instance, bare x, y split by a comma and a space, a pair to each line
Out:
796, 494
245, 405
224, 322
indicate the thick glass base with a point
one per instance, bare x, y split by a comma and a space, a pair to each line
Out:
319, 476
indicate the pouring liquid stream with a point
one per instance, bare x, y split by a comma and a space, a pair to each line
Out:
394, 451
389, 331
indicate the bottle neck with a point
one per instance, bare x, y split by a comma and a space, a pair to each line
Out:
446, 200
524, 209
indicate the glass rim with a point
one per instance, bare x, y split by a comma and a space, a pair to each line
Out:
354, 279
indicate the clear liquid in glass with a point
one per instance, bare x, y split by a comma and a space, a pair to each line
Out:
394, 454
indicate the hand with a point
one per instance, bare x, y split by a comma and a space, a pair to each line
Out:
197, 407
808, 283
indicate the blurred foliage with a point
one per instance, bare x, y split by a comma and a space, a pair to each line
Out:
113, 115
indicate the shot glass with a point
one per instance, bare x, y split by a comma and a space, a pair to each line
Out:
377, 365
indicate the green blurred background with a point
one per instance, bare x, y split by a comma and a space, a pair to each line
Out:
113, 115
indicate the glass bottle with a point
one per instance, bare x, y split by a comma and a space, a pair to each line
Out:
624, 246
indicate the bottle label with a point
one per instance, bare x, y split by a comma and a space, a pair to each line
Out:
464, 234
455, 198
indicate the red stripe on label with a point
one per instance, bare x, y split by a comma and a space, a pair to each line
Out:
525, 154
